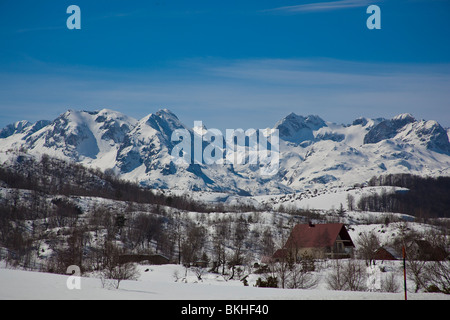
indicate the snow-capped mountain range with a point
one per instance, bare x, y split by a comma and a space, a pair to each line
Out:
313, 152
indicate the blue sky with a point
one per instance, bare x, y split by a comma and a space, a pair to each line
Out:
228, 63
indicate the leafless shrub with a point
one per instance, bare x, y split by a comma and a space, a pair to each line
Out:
335, 280
389, 283
438, 276
299, 278
114, 269
347, 275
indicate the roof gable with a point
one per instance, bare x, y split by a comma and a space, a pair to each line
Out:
386, 253
317, 236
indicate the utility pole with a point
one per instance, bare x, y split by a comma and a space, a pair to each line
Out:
404, 271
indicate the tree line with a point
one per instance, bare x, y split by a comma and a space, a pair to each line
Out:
58, 177
426, 198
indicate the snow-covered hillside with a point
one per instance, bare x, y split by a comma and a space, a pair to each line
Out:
323, 199
55, 214
313, 153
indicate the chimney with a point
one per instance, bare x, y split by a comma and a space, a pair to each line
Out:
311, 225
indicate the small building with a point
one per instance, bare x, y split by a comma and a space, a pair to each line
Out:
318, 241
200, 264
424, 250
386, 253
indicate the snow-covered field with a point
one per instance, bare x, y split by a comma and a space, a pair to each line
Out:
158, 283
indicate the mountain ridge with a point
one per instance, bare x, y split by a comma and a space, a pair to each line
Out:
313, 152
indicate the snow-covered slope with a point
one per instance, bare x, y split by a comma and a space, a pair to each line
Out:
313, 152
339, 154
157, 283
92, 138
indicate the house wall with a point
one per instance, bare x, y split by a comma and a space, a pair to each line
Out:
338, 251
316, 253
327, 252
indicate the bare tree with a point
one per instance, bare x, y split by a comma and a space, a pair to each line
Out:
114, 269
416, 272
438, 276
336, 280
193, 243
219, 239
389, 283
267, 243
240, 234
301, 278
280, 271
355, 275
368, 242
350, 202
348, 275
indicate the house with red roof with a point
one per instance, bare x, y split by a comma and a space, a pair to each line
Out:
319, 241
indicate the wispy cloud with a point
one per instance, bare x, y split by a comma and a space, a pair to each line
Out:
239, 93
322, 6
